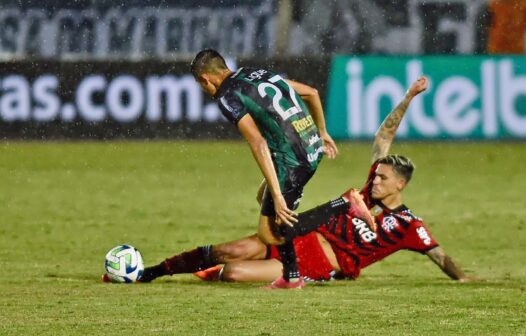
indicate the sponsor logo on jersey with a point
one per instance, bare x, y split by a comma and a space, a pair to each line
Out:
297, 202
362, 229
422, 233
258, 74
225, 104
314, 156
389, 223
233, 107
405, 217
302, 124
313, 139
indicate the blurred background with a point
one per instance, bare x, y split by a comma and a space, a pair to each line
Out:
101, 69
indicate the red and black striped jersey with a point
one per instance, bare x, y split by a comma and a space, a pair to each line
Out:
356, 246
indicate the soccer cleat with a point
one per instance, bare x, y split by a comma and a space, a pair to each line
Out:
359, 208
147, 276
281, 283
210, 274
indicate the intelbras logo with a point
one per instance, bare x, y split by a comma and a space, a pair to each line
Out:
468, 97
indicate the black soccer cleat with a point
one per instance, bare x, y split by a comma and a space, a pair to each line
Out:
151, 273
147, 275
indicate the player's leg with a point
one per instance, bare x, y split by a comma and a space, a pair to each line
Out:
310, 220
358, 208
261, 190
316, 262
315, 259
248, 248
252, 270
269, 234
268, 231
294, 179
208, 256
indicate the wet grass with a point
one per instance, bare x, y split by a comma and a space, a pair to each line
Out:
63, 205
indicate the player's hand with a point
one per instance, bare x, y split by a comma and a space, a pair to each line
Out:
283, 213
329, 146
418, 86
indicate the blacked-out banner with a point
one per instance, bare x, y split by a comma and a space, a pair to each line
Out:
90, 29
107, 100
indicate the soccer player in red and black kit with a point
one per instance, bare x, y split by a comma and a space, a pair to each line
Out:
345, 240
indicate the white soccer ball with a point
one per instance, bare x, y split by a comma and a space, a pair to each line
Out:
124, 264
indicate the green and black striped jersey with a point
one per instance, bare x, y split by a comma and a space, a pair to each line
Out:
278, 111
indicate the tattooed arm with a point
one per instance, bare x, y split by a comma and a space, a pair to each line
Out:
386, 133
447, 265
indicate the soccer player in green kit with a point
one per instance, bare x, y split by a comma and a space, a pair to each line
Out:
283, 123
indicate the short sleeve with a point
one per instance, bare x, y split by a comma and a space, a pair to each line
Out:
418, 238
232, 107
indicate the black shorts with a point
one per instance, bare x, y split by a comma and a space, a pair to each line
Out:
292, 182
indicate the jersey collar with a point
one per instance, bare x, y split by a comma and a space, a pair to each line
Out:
222, 86
399, 208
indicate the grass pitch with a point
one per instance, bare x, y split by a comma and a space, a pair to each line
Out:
64, 205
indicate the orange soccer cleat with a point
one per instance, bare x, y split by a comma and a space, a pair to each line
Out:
210, 274
281, 283
360, 208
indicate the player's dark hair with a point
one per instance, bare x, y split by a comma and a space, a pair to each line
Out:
209, 61
401, 165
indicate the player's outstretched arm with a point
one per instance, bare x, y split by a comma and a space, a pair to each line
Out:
447, 265
311, 97
248, 128
386, 133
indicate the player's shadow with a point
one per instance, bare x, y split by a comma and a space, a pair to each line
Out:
367, 281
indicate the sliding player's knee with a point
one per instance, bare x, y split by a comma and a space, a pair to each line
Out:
230, 252
232, 273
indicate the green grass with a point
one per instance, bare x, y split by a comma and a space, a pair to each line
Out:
64, 205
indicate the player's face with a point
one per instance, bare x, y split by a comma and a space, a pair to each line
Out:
206, 85
386, 182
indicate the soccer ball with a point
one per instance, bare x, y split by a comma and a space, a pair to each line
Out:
124, 264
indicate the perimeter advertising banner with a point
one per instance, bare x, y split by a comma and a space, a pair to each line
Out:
121, 99
469, 97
